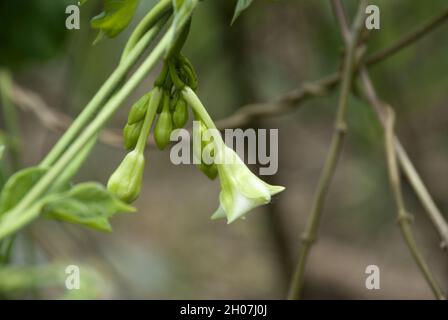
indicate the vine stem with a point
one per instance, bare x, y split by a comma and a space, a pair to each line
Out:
387, 119
100, 97
404, 218
409, 38
336, 145
408, 168
148, 22
193, 100
26, 210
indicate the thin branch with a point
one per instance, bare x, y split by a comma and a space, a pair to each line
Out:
341, 18
310, 234
292, 100
404, 218
387, 117
433, 212
409, 38
408, 168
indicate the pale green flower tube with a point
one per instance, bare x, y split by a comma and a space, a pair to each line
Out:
241, 190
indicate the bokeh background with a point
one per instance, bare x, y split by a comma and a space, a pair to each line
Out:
170, 249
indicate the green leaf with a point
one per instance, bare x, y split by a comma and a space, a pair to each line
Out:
2, 150
115, 18
240, 7
88, 204
18, 185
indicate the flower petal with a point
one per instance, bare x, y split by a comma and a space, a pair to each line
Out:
241, 190
219, 214
241, 206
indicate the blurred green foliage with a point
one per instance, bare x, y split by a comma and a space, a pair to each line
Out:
31, 31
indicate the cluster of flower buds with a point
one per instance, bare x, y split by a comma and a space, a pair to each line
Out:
164, 99
173, 110
173, 93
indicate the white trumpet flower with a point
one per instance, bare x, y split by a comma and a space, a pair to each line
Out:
241, 190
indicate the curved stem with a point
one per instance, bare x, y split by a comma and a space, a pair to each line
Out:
404, 218
431, 209
100, 97
23, 212
149, 21
193, 100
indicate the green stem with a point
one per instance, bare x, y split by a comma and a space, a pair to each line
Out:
70, 171
98, 100
153, 16
156, 96
193, 100
22, 214
404, 218
337, 142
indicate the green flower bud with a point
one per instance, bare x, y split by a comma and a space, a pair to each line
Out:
126, 181
138, 110
164, 125
131, 133
180, 115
